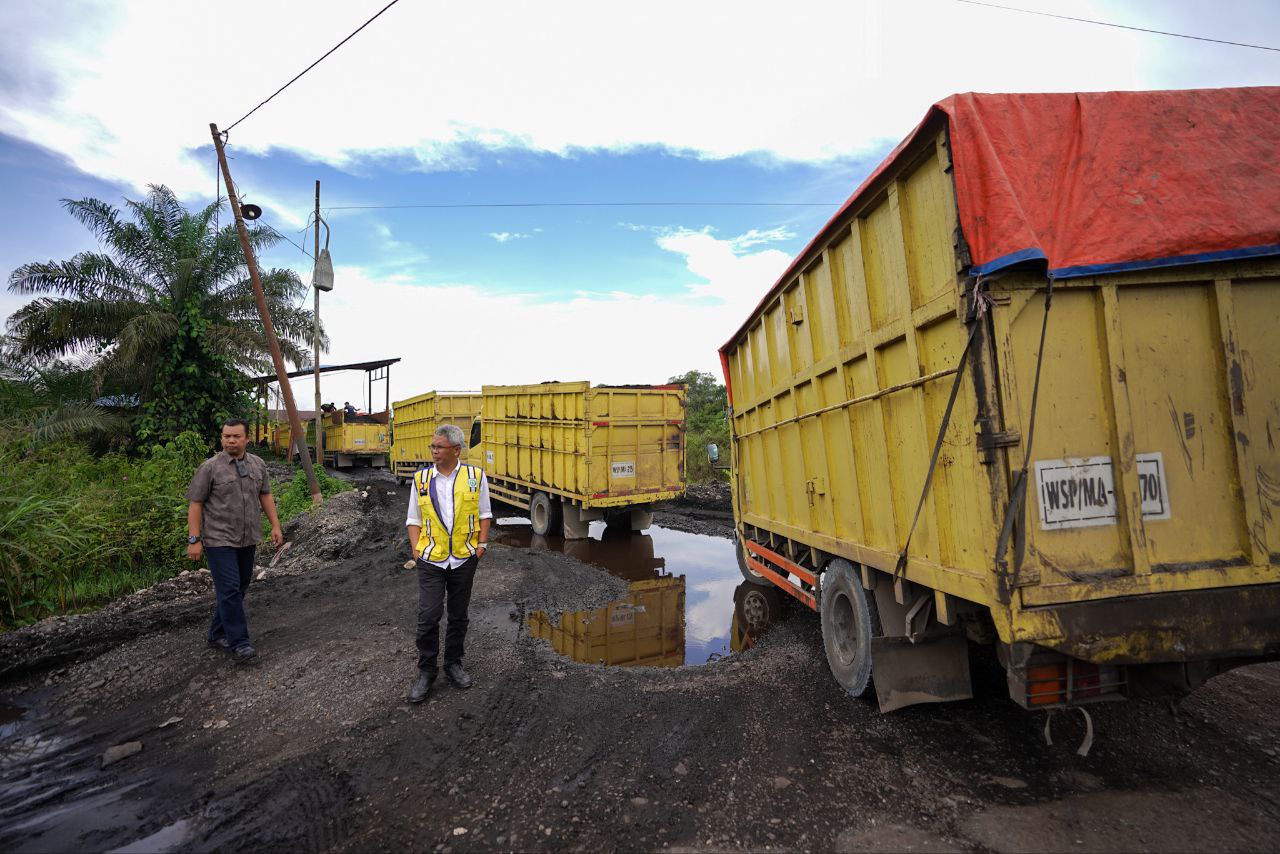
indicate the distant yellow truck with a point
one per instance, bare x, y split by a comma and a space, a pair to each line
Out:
414, 421
570, 453
279, 436
351, 440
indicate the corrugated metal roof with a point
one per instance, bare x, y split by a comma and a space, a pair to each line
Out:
325, 369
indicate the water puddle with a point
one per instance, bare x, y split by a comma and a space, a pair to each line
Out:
680, 609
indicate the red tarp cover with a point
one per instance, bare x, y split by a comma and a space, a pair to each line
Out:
1095, 182
1117, 180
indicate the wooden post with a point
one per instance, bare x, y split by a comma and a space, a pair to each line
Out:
282, 374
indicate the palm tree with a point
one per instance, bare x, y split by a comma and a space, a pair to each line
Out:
46, 401
167, 311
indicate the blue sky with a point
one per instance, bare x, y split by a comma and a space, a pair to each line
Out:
534, 103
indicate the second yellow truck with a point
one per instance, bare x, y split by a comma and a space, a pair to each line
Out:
570, 453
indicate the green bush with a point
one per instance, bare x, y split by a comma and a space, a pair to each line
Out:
707, 422
78, 530
38, 539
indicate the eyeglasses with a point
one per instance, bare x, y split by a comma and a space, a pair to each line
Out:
442, 447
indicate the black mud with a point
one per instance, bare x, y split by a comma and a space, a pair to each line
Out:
315, 748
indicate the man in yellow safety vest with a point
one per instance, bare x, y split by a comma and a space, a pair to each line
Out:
448, 522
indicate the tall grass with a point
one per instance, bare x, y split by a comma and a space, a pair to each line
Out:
39, 544
77, 530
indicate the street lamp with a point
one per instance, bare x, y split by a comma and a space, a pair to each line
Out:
321, 280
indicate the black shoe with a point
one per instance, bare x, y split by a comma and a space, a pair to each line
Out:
457, 675
421, 686
220, 643
244, 653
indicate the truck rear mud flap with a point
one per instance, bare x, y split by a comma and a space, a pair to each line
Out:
932, 670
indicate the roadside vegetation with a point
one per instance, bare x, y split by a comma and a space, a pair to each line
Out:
707, 422
78, 529
113, 381
295, 498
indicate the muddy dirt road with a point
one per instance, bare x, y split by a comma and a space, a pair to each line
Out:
315, 748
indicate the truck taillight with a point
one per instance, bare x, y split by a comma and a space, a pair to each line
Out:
1046, 684
1059, 682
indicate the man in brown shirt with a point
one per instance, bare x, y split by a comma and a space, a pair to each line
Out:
224, 523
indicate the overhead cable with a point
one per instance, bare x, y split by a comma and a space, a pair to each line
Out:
311, 66
1118, 26
295, 245
587, 205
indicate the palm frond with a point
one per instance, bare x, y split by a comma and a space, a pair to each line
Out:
51, 327
147, 333
70, 420
83, 276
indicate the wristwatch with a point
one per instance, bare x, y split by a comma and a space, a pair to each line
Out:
484, 546
192, 540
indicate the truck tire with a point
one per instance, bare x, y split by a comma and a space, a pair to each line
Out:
544, 513
849, 622
747, 572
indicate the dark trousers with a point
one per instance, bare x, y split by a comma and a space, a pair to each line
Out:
232, 571
434, 585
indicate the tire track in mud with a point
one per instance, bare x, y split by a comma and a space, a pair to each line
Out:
307, 800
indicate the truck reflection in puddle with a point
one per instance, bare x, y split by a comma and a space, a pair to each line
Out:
644, 630
680, 606
755, 609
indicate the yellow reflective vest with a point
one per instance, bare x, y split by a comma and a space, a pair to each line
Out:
437, 543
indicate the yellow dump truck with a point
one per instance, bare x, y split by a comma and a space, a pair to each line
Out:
644, 630
351, 440
1018, 396
280, 433
415, 420
570, 453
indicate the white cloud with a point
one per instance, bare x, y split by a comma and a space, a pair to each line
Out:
755, 237
460, 336
504, 236
735, 277
126, 91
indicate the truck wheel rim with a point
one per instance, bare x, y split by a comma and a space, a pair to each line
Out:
755, 610
845, 623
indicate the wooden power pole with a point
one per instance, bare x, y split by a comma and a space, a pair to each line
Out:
282, 374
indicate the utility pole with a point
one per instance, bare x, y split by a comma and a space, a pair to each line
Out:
282, 374
316, 338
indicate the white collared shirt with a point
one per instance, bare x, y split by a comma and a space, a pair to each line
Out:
444, 504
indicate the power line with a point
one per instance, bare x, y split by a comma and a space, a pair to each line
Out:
589, 205
296, 246
1117, 26
311, 66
